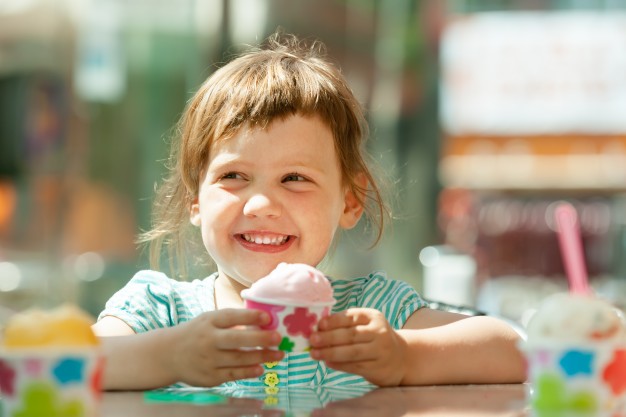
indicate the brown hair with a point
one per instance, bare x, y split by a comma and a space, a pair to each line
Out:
284, 77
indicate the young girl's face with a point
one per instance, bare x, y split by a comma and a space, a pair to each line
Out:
271, 196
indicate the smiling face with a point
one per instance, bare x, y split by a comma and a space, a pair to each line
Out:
272, 195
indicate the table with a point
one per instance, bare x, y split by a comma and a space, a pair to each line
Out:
454, 400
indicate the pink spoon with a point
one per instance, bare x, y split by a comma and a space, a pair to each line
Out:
568, 231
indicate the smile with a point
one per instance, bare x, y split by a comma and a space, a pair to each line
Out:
273, 240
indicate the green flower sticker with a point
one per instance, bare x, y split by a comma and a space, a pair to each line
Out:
41, 399
551, 394
286, 345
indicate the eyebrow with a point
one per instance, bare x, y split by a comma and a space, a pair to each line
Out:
224, 160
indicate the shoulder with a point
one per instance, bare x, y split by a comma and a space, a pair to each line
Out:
158, 286
159, 282
394, 298
374, 285
159, 301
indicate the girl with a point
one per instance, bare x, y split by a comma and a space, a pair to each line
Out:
269, 166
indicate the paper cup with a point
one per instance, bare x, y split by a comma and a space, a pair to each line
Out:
38, 382
295, 322
582, 378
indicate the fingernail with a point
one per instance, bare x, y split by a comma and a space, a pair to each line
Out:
264, 318
257, 371
314, 339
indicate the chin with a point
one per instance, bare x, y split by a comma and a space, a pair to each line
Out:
260, 272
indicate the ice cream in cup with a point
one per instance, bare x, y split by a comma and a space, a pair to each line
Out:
576, 356
576, 347
50, 365
296, 296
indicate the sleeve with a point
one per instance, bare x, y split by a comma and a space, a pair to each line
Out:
397, 300
145, 303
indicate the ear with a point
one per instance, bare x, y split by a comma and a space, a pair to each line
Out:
194, 213
353, 209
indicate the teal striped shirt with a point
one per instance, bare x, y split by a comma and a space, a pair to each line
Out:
151, 300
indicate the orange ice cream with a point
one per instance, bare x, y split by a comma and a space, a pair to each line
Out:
66, 326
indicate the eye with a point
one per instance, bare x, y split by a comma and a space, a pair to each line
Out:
231, 176
294, 176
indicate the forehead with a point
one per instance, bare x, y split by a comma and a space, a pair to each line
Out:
304, 136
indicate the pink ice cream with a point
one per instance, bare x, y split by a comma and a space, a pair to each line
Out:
292, 284
296, 297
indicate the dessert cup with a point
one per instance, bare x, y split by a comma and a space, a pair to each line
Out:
294, 321
50, 381
576, 378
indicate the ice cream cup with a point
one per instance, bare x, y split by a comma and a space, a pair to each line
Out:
294, 321
50, 382
576, 378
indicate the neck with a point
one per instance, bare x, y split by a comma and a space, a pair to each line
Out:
228, 293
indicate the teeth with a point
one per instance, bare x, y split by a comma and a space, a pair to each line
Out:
265, 240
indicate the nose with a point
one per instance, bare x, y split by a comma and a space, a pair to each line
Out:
262, 205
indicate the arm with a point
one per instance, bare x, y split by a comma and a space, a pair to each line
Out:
449, 348
433, 347
205, 351
134, 361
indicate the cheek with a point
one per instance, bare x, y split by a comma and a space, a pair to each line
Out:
216, 208
326, 226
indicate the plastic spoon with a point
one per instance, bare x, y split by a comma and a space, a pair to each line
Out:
568, 232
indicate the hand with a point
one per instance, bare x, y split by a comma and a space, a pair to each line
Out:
361, 341
220, 346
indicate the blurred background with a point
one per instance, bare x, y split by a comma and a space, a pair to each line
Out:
482, 115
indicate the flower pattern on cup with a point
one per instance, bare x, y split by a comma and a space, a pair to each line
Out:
577, 362
69, 370
7, 378
300, 322
614, 372
33, 367
96, 378
286, 345
270, 309
551, 393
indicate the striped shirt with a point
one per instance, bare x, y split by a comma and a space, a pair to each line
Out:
151, 300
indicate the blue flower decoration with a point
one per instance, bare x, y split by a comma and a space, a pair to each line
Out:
69, 370
576, 362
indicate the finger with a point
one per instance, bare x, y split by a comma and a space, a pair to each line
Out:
236, 358
246, 338
238, 372
231, 317
358, 368
346, 318
346, 354
342, 336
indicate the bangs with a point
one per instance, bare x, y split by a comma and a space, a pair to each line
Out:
256, 90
